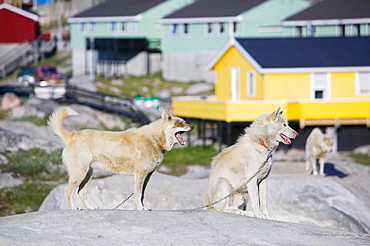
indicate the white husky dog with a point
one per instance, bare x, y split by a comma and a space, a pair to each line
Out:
250, 158
136, 151
317, 144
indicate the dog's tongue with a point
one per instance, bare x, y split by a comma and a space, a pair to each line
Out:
179, 138
286, 139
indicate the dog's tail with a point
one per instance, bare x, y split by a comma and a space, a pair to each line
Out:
55, 122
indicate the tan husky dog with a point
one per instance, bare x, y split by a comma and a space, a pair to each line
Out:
137, 151
250, 158
317, 144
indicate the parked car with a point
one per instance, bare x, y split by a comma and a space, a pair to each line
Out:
48, 75
40, 76
26, 76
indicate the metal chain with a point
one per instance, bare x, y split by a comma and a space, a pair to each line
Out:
125, 200
238, 190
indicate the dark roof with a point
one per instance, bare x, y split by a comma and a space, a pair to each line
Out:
334, 9
309, 52
119, 8
215, 8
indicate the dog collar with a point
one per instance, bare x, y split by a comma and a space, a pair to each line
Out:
263, 144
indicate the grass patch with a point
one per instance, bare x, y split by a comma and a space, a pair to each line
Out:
24, 198
146, 86
42, 172
36, 164
35, 120
177, 159
361, 158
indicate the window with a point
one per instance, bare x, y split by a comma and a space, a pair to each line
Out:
92, 27
356, 30
209, 28
133, 26
363, 83
235, 27
222, 28
123, 26
251, 83
320, 86
173, 30
186, 29
298, 32
235, 83
82, 27
112, 26
341, 31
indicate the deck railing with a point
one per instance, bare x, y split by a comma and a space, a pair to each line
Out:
306, 112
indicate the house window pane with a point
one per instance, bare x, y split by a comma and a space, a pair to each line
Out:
320, 86
235, 27
92, 27
133, 26
82, 27
112, 27
364, 83
186, 28
209, 28
251, 84
319, 94
123, 26
222, 27
173, 30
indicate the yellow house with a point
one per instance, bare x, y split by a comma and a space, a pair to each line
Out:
319, 82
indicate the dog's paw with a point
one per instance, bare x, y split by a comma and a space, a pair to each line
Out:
77, 208
145, 209
93, 208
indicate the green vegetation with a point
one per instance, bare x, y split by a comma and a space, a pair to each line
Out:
42, 171
177, 159
361, 158
146, 86
35, 120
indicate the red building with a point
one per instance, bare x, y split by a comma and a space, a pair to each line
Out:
17, 25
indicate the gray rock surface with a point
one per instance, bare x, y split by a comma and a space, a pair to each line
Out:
9, 180
117, 227
338, 201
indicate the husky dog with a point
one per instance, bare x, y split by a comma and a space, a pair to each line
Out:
250, 158
137, 151
317, 144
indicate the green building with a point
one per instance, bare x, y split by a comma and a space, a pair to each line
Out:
193, 35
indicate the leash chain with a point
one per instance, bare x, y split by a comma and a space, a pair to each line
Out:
125, 200
238, 190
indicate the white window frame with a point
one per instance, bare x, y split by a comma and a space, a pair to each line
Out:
82, 27
222, 25
133, 26
235, 83
251, 84
92, 27
174, 29
358, 84
112, 26
186, 26
326, 88
123, 26
209, 29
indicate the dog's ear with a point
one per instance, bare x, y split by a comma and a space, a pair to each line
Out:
274, 115
172, 114
165, 116
281, 111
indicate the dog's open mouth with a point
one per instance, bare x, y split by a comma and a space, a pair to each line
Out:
178, 136
285, 138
